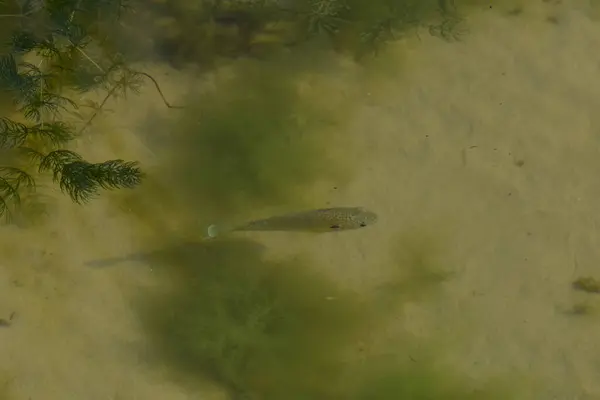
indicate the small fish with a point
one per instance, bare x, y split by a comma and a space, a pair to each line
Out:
321, 220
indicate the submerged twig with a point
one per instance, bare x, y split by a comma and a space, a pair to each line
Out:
169, 105
123, 83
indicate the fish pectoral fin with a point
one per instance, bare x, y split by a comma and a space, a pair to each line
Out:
335, 227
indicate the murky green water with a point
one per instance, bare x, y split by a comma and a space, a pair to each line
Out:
471, 132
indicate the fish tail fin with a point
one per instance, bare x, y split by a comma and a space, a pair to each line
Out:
213, 231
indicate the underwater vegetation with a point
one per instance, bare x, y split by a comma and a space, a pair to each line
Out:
267, 329
254, 138
205, 31
54, 52
262, 329
249, 141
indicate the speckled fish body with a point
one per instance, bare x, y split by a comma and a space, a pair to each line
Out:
320, 220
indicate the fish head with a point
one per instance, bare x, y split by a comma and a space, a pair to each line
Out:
364, 217
367, 217
345, 218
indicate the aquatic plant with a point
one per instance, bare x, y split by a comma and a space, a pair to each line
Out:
364, 27
268, 330
54, 48
262, 329
209, 30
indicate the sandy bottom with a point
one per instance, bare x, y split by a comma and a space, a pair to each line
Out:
487, 149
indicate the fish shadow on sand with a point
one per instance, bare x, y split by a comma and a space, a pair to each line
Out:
201, 250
